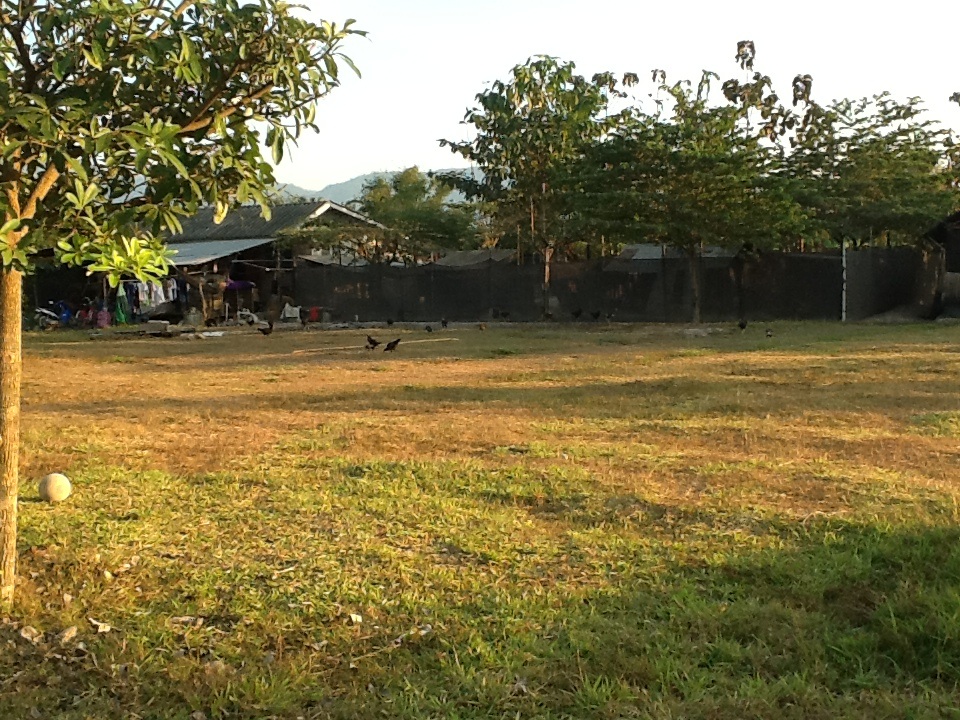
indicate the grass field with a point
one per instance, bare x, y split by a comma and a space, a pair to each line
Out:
595, 522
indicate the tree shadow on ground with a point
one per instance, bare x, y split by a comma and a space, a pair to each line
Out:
842, 620
853, 621
592, 399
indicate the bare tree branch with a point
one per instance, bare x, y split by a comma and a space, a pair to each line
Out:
43, 187
177, 12
15, 30
203, 122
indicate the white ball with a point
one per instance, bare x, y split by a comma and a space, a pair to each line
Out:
54, 487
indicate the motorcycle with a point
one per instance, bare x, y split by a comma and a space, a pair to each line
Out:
58, 314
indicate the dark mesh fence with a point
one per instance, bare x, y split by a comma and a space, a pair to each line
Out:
635, 290
881, 279
774, 286
771, 286
798, 286
516, 290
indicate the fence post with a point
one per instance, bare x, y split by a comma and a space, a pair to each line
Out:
843, 290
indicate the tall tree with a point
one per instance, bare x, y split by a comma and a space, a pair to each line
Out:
119, 117
418, 214
689, 174
526, 129
874, 170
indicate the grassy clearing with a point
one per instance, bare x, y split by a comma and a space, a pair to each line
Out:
590, 522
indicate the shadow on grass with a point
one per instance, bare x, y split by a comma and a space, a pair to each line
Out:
854, 622
661, 397
848, 621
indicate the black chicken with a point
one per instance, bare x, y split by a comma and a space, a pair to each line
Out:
266, 330
577, 313
389, 321
443, 323
595, 314
392, 345
372, 343
742, 325
428, 328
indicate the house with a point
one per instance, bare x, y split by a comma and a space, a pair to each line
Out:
245, 235
219, 267
246, 258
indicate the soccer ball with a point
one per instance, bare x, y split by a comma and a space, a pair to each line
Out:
54, 487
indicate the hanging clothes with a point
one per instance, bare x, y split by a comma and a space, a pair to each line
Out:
133, 297
122, 314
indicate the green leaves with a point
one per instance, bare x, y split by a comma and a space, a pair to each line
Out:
142, 258
190, 67
147, 113
873, 170
526, 130
83, 196
418, 218
8, 228
275, 141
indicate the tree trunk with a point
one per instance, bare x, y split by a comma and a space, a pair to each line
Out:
547, 260
11, 285
694, 256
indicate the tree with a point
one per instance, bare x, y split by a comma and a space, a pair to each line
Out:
526, 130
118, 118
686, 175
416, 211
415, 215
874, 170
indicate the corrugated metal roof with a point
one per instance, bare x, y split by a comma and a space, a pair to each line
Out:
462, 258
246, 221
199, 253
641, 251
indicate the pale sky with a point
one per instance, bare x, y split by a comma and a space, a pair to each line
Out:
425, 60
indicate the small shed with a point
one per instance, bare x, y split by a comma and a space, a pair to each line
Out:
244, 231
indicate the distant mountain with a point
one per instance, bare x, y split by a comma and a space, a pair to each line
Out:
288, 192
344, 192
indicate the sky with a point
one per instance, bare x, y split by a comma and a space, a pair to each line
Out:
424, 61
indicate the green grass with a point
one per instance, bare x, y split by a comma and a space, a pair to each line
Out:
624, 522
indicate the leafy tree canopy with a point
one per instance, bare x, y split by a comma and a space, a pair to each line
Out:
526, 129
417, 217
874, 169
118, 117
